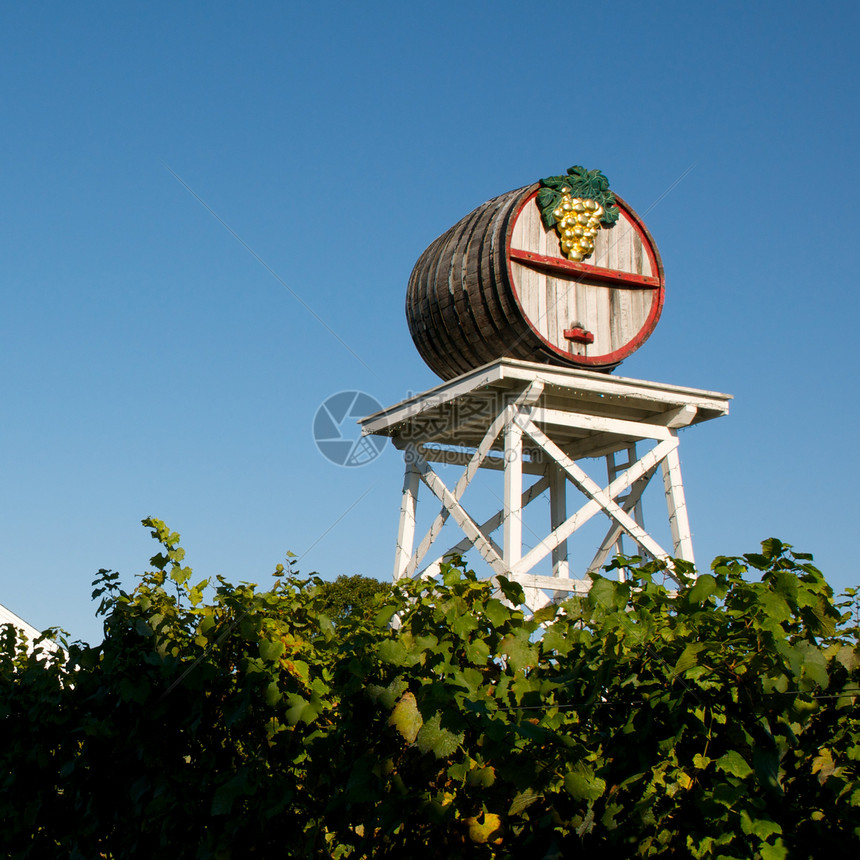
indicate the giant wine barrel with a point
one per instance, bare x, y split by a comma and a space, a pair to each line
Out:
498, 284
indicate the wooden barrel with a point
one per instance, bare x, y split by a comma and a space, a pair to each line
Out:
498, 284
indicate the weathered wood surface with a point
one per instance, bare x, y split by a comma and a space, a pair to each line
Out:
497, 285
457, 413
528, 419
612, 294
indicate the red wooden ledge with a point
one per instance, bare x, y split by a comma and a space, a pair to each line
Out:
597, 273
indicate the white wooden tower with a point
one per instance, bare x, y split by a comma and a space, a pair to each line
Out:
523, 418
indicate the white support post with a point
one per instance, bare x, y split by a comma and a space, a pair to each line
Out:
406, 529
614, 533
476, 460
613, 468
513, 523
558, 514
588, 510
469, 527
600, 499
679, 522
472, 467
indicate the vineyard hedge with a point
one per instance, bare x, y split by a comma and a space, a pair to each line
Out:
719, 720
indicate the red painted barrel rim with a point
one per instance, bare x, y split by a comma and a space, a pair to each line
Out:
648, 326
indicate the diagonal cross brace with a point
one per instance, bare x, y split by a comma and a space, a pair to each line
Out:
460, 487
529, 395
599, 499
470, 528
615, 530
488, 526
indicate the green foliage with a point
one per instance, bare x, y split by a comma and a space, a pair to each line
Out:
352, 595
437, 720
578, 182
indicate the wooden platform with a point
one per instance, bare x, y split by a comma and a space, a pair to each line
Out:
520, 417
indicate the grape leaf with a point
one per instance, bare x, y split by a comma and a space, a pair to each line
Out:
406, 718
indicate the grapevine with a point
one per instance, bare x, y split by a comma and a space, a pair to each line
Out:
577, 205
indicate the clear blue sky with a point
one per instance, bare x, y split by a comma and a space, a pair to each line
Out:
151, 365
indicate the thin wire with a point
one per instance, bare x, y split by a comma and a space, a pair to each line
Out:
562, 706
499, 499
298, 558
209, 648
266, 266
671, 188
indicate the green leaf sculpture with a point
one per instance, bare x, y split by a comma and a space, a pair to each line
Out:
577, 204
